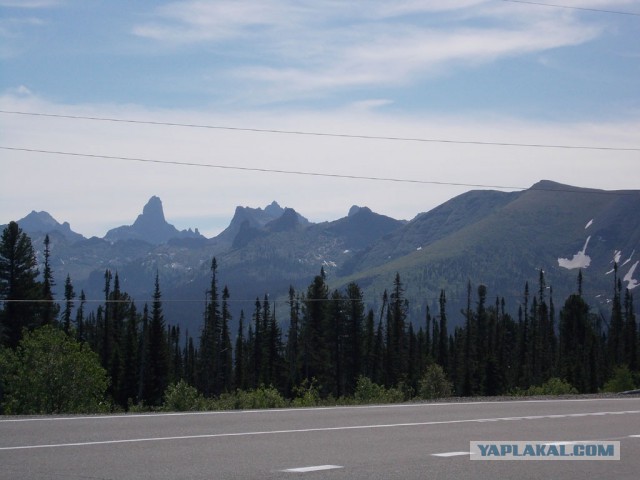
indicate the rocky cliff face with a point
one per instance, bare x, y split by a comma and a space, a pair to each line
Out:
150, 227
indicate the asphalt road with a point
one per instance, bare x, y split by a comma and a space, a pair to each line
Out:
414, 441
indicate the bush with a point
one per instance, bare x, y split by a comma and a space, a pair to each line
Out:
306, 394
621, 381
262, 397
434, 383
369, 392
553, 386
50, 372
182, 397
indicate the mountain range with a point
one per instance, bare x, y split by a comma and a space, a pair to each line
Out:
499, 239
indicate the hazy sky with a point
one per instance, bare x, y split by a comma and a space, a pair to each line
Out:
458, 70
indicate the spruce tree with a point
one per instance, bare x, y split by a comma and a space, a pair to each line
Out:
293, 342
207, 369
49, 309
69, 295
240, 366
157, 364
225, 361
315, 350
19, 289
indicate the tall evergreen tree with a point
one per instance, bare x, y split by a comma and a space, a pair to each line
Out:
293, 342
69, 295
443, 340
157, 364
49, 309
207, 371
353, 345
19, 288
615, 339
225, 350
240, 367
315, 350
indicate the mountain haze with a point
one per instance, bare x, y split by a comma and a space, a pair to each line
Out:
499, 239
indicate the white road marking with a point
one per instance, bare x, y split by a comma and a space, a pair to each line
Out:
307, 430
286, 410
451, 454
634, 436
317, 468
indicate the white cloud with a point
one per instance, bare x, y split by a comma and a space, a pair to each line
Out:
304, 49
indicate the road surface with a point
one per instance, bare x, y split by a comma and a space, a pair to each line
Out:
412, 441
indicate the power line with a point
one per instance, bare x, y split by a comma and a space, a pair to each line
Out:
325, 134
568, 7
304, 173
256, 169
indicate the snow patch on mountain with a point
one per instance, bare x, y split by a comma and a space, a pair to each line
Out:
579, 260
631, 282
628, 259
616, 256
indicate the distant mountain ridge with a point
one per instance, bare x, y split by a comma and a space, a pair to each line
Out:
151, 227
499, 239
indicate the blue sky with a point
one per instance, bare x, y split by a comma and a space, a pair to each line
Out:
469, 70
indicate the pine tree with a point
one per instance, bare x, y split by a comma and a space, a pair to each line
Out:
80, 326
129, 375
615, 340
69, 295
315, 350
50, 309
353, 345
207, 369
225, 361
157, 364
443, 340
293, 342
240, 367
630, 333
18, 286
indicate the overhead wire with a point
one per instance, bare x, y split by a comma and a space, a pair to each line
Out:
325, 134
572, 7
308, 173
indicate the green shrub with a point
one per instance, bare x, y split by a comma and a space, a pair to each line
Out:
553, 386
369, 392
50, 372
621, 381
182, 397
307, 394
434, 383
262, 397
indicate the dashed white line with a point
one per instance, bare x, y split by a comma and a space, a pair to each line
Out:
316, 468
451, 454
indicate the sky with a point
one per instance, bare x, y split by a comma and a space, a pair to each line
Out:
318, 105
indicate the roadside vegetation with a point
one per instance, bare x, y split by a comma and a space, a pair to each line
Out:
59, 357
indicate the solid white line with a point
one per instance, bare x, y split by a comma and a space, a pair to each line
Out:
634, 436
307, 430
312, 469
451, 454
309, 409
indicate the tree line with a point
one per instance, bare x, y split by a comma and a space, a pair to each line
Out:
331, 341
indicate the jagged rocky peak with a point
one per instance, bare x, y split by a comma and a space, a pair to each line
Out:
355, 209
150, 226
274, 209
43, 222
152, 211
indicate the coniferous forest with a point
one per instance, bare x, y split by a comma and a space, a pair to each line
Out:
75, 355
